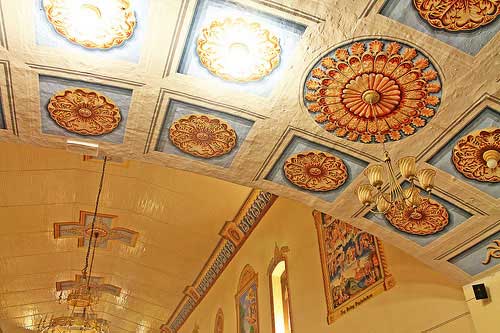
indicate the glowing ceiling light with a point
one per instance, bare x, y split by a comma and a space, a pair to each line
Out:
92, 23
237, 50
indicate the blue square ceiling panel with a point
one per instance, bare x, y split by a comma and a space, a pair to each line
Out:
238, 46
113, 29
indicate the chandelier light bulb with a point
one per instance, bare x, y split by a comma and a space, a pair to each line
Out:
491, 157
426, 178
383, 203
374, 174
365, 194
413, 197
407, 166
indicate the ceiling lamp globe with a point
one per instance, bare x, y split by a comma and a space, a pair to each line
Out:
237, 50
92, 23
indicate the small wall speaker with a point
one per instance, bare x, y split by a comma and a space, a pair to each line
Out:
480, 291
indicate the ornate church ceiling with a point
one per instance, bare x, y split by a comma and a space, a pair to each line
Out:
291, 97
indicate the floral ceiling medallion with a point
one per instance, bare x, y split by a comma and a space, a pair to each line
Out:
316, 171
373, 90
202, 136
92, 23
237, 50
428, 218
458, 15
84, 111
477, 154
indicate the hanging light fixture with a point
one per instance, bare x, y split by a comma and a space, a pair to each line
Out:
396, 199
82, 298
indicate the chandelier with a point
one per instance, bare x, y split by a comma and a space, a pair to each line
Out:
384, 196
81, 299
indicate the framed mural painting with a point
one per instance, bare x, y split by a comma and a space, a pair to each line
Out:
247, 310
353, 263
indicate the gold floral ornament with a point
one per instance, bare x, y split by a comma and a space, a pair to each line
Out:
493, 251
203, 136
316, 171
477, 154
84, 111
237, 50
92, 23
427, 218
458, 15
373, 90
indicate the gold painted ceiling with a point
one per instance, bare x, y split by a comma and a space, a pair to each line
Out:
148, 101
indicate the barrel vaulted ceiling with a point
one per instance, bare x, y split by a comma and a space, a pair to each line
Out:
435, 77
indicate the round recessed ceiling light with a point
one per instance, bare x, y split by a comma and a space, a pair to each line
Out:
92, 23
237, 50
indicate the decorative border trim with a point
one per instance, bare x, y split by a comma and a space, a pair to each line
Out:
248, 278
280, 254
385, 284
233, 236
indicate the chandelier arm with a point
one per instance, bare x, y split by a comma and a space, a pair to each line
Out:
84, 270
374, 211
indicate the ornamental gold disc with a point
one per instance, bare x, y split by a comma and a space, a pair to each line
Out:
458, 15
316, 171
202, 136
467, 155
373, 90
428, 218
84, 111
92, 23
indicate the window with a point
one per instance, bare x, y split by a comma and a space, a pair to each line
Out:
280, 294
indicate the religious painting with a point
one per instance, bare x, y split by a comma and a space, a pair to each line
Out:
247, 313
353, 263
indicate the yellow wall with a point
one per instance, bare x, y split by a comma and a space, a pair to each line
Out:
421, 301
485, 313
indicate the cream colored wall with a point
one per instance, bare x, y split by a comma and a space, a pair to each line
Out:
421, 301
485, 313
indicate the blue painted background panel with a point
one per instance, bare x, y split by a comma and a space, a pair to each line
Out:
442, 159
299, 145
177, 109
49, 85
129, 51
288, 32
471, 260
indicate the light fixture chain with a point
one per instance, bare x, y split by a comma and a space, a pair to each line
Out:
84, 270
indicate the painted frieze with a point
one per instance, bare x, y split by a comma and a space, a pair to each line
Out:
373, 90
353, 262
